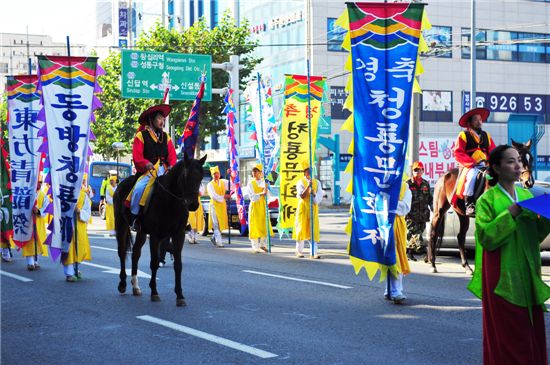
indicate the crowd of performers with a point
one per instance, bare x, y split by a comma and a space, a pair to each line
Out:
507, 274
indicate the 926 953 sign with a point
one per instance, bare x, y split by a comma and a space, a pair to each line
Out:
508, 103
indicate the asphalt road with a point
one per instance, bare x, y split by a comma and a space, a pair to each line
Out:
242, 308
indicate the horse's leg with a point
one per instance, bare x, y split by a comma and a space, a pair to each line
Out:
136, 254
464, 225
154, 246
437, 231
177, 241
122, 237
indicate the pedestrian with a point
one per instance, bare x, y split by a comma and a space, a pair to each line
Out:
217, 212
302, 227
196, 221
258, 191
109, 209
507, 276
421, 204
400, 237
36, 247
79, 249
472, 148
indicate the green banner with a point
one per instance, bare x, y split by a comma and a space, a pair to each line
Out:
146, 75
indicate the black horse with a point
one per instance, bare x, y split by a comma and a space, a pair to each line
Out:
174, 195
443, 193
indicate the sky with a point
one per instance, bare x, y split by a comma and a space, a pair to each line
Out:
57, 18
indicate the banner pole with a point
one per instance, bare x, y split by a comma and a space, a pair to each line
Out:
311, 220
262, 160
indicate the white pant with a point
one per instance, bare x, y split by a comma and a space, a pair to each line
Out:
300, 247
471, 179
193, 236
139, 188
216, 227
396, 285
257, 243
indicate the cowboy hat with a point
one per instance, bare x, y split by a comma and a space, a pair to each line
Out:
483, 112
163, 109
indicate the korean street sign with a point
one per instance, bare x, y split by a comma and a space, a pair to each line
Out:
146, 75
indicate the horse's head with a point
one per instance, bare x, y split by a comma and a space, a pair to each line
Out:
189, 181
524, 150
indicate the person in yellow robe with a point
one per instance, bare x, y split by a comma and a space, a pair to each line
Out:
35, 247
217, 212
257, 190
81, 250
400, 238
302, 229
109, 209
196, 221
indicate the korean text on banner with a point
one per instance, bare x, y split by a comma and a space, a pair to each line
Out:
295, 139
23, 127
68, 85
384, 46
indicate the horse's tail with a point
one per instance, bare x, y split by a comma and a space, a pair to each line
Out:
122, 214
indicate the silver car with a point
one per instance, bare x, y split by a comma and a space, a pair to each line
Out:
452, 224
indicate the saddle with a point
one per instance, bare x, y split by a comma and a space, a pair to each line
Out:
479, 188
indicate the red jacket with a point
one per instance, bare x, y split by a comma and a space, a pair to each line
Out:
148, 148
470, 149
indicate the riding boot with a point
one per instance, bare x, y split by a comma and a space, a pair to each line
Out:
135, 219
410, 254
470, 206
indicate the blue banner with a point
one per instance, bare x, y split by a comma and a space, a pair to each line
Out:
384, 47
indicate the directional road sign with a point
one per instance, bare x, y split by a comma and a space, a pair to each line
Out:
146, 75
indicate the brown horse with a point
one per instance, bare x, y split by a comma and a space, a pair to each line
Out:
443, 193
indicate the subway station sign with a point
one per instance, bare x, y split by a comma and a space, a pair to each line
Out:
146, 75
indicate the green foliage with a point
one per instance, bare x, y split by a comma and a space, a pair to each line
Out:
117, 120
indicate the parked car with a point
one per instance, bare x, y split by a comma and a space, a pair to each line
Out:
452, 224
98, 172
232, 210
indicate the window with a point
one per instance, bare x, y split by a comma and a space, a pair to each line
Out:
335, 36
437, 106
530, 50
480, 50
500, 45
3, 68
439, 40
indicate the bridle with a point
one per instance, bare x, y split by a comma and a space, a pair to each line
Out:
183, 200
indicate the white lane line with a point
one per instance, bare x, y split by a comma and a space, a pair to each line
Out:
20, 278
301, 280
105, 248
208, 337
114, 270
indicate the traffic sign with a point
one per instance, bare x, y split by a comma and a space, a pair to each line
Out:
146, 75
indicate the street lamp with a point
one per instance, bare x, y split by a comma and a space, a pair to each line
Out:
117, 146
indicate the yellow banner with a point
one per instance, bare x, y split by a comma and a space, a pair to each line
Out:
295, 139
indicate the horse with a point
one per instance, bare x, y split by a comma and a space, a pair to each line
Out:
443, 193
174, 195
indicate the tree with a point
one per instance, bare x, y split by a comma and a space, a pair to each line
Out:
117, 120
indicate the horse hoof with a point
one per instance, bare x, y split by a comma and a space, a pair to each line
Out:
155, 298
434, 270
180, 302
122, 288
469, 271
136, 292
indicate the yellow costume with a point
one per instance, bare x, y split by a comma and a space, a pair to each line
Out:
109, 209
196, 218
256, 212
36, 247
302, 228
84, 252
400, 235
219, 208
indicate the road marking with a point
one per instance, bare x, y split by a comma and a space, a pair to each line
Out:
20, 278
114, 270
105, 248
301, 280
208, 337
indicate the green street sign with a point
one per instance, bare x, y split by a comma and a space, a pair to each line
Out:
146, 75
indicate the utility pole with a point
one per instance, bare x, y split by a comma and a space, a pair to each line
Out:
473, 55
130, 25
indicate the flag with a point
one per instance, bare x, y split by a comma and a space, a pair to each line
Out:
23, 127
229, 110
68, 88
539, 205
191, 130
384, 40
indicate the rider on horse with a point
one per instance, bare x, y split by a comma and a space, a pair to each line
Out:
153, 154
471, 150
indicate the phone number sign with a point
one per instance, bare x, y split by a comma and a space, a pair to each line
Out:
146, 75
508, 103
